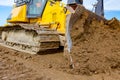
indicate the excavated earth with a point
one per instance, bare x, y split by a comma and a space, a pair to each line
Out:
96, 45
95, 53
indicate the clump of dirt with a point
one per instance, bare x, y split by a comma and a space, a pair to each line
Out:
113, 23
96, 45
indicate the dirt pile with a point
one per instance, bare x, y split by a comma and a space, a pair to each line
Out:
96, 50
96, 45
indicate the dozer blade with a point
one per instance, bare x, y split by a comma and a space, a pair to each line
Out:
76, 12
30, 41
70, 20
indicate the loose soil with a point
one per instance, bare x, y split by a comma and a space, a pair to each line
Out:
96, 45
95, 53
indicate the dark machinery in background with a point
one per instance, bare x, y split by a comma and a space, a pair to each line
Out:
99, 6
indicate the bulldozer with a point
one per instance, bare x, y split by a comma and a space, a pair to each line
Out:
38, 25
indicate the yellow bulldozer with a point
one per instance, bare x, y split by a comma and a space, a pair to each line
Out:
37, 25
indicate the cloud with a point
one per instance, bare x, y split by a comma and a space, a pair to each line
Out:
108, 4
65, 1
112, 4
6, 2
89, 3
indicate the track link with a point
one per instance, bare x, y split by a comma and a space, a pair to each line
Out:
30, 41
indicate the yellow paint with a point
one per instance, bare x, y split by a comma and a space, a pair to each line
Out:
18, 14
53, 15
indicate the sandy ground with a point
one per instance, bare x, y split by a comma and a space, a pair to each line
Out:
21, 66
95, 52
96, 45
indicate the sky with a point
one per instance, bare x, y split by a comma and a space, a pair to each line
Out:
112, 8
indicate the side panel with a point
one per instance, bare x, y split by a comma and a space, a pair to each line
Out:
18, 14
54, 15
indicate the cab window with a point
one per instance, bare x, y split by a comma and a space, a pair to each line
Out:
36, 7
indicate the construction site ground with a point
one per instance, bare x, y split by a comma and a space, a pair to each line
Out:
95, 53
21, 66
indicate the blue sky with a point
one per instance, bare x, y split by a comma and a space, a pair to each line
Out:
112, 8
4, 12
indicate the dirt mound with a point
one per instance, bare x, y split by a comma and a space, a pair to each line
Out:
113, 23
96, 45
96, 49
16, 65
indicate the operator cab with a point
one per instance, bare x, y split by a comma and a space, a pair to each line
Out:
34, 7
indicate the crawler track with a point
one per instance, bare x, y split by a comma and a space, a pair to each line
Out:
29, 40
